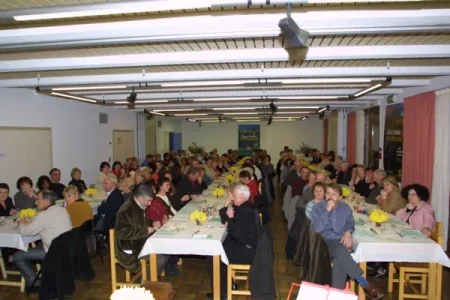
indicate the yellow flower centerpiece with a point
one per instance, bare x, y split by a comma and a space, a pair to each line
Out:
90, 192
378, 216
234, 170
27, 213
346, 192
230, 178
218, 192
198, 215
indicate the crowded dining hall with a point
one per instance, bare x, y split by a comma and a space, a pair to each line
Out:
224, 150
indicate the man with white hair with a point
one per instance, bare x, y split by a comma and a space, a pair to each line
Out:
106, 212
243, 226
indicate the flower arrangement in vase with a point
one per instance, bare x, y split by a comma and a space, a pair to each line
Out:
90, 192
378, 216
27, 213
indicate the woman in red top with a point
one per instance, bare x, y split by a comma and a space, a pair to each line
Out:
246, 178
158, 210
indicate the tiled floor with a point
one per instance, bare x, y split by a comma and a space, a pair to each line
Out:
192, 281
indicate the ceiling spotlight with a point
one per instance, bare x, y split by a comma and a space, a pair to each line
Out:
199, 124
220, 119
132, 98
295, 36
321, 115
270, 120
273, 107
323, 109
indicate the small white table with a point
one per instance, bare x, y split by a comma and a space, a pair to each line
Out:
11, 238
185, 242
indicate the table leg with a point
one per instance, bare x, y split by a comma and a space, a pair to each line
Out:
153, 267
361, 294
432, 281
2, 267
216, 277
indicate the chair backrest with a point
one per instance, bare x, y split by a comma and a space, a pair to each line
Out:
437, 235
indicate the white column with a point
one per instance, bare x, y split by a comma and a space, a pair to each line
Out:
140, 136
342, 133
360, 132
382, 126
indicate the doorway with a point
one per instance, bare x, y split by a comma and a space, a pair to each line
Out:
123, 145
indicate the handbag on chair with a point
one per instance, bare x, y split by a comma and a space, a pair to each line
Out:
160, 290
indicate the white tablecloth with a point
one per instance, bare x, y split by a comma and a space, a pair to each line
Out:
389, 246
11, 238
165, 241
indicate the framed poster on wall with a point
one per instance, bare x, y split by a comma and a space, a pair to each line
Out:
393, 140
248, 139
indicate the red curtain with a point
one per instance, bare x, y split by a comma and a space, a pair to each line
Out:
325, 136
418, 139
351, 138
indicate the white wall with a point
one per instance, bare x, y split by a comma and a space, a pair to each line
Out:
224, 136
77, 137
167, 125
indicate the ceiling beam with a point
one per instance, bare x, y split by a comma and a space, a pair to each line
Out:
227, 56
224, 27
125, 78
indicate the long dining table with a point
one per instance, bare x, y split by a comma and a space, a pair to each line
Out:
180, 236
395, 241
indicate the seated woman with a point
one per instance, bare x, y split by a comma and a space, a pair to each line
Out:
163, 195
118, 170
79, 210
245, 177
319, 195
158, 210
418, 213
77, 181
6, 204
126, 186
43, 183
25, 197
105, 168
333, 219
390, 199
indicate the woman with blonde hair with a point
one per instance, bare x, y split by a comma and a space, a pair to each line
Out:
126, 186
390, 199
77, 181
79, 210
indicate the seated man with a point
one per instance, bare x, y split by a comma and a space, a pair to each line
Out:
333, 219
51, 221
243, 227
189, 186
131, 230
107, 211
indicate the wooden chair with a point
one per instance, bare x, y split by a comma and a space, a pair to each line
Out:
238, 273
128, 280
416, 273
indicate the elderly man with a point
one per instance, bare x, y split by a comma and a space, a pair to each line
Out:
106, 212
51, 221
243, 227
344, 176
378, 177
333, 219
131, 230
188, 188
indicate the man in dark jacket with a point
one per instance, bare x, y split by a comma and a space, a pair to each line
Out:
243, 226
189, 185
109, 207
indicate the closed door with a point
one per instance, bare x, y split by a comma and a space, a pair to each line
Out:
24, 152
123, 145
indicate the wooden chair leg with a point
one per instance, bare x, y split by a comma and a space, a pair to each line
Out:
391, 278
423, 284
229, 284
439, 282
127, 276
2, 267
180, 262
144, 270
401, 285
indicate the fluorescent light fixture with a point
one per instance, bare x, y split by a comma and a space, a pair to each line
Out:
175, 109
368, 90
210, 121
201, 119
292, 112
242, 113
308, 97
245, 118
189, 115
74, 97
323, 109
235, 108
191, 120
120, 8
304, 118
207, 83
157, 113
142, 102
81, 88
326, 80
249, 120
298, 107
286, 117
223, 99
